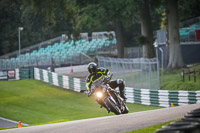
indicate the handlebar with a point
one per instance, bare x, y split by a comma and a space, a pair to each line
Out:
103, 80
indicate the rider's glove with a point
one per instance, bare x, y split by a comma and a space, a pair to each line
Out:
90, 93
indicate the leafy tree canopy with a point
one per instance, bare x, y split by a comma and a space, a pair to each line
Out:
45, 19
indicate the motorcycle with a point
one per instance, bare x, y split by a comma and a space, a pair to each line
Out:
108, 97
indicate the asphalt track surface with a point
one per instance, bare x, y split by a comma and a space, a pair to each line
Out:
9, 123
111, 124
78, 71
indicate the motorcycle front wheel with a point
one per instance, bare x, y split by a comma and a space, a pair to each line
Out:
113, 108
125, 111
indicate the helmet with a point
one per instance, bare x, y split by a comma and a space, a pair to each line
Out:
92, 67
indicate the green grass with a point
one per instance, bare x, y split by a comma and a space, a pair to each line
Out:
34, 102
173, 80
151, 129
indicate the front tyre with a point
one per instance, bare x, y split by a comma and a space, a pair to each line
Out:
125, 111
112, 106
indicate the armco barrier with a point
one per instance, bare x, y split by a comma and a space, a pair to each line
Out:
162, 98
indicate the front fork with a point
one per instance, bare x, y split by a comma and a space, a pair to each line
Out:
119, 100
103, 104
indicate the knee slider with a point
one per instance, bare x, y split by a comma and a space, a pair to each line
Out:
120, 81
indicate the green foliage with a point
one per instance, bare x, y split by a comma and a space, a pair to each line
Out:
102, 14
39, 23
188, 9
34, 102
10, 13
141, 40
46, 19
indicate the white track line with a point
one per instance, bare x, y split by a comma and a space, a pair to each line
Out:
12, 121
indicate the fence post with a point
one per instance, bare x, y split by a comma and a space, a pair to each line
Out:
158, 67
141, 74
183, 75
189, 75
162, 64
194, 75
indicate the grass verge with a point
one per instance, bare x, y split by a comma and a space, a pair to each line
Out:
151, 129
34, 102
173, 80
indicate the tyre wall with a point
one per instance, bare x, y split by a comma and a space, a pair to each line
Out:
65, 82
163, 98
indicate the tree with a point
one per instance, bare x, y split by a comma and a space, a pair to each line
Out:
175, 55
146, 30
37, 25
38, 28
188, 9
10, 21
108, 15
104, 15
46, 19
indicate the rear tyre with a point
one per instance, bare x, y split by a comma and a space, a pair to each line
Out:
112, 106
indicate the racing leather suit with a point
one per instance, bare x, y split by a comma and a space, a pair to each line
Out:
113, 84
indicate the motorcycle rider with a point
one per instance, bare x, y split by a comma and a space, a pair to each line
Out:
96, 73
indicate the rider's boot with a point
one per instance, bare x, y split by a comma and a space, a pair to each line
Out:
122, 96
121, 89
